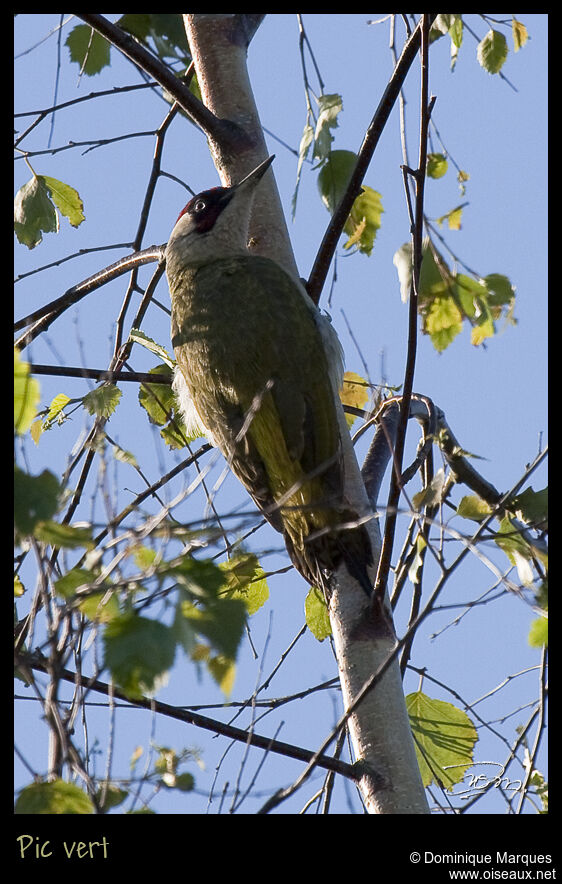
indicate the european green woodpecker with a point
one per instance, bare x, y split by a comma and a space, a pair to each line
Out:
258, 371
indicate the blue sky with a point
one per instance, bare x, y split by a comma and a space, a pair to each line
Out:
494, 398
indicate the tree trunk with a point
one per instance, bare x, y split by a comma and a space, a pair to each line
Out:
379, 727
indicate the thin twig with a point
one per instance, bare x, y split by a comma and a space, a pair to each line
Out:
100, 374
39, 320
218, 130
329, 243
417, 234
289, 750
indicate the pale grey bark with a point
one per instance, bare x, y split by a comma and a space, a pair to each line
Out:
379, 727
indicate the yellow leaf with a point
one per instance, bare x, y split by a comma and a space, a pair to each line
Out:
26, 395
36, 430
481, 331
223, 671
354, 392
455, 219
520, 34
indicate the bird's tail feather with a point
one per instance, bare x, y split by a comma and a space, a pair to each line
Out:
318, 558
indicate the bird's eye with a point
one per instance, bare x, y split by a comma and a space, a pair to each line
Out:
200, 206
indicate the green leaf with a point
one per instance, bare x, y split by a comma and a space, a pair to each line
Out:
100, 607
162, 407
473, 507
91, 604
452, 24
443, 322
445, 738
456, 31
244, 579
329, 106
166, 767
53, 798
26, 395
221, 621
184, 633
436, 165
440, 27
483, 329
35, 499
446, 298
158, 400
223, 670
444, 23
417, 561
334, 176
436, 279
136, 24
364, 220
175, 434
469, 292
57, 405
168, 33
35, 208
88, 49
538, 633
200, 577
516, 548
432, 494
144, 557
540, 787
185, 782
36, 430
531, 506
110, 795
68, 585
492, 51
124, 456
500, 291
55, 413
102, 401
34, 213
316, 614
139, 653
66, 199
66, 536
139, 337
307, 139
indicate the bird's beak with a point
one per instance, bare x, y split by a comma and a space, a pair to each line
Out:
252, 179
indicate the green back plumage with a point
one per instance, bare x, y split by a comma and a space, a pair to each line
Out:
248, 345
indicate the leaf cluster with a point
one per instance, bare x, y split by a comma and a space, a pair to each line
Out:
447, 298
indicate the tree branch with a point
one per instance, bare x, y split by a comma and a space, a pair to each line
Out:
219, 44
417, 235
40, 320
38, 662
212, 126
99, 374
329, 243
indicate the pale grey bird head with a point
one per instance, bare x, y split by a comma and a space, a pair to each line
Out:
214, 223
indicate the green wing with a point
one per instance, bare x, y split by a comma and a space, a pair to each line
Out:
254, 362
